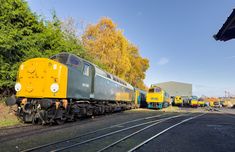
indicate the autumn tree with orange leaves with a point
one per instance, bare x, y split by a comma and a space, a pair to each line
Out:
105, 44
139, 65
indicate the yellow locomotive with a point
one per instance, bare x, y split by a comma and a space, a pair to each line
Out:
193, 101
66, 87
157, 98
201, 102
178, 101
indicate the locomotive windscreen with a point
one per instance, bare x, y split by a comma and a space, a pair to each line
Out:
62, 58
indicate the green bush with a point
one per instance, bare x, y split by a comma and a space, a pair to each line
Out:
25, 35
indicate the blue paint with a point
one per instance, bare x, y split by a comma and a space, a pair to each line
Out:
139, 99
159, 105
150, 105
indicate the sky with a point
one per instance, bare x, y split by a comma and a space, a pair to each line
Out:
176, 36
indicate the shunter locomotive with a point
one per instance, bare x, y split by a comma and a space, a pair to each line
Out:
67, 87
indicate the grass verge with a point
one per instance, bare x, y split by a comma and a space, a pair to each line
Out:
7, 116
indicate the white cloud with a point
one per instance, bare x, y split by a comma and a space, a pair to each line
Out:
163, 61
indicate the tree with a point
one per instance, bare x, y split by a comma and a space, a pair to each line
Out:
24, 35
139, 66
107, 45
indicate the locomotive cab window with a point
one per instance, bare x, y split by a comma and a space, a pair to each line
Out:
62, 58
86, 69
151, 90
158, 90
74, 61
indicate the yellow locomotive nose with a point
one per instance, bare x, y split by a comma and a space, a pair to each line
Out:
42, 78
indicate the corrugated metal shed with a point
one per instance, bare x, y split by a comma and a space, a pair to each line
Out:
176, 88
227, 31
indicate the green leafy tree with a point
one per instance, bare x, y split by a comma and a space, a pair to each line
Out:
24, 35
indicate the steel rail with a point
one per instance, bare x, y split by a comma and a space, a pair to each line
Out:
115, 132
165, 130
15, 127
126, 137
92, 132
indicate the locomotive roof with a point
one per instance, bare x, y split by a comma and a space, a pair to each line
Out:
99, 71
155, 86
112, 77
70, 54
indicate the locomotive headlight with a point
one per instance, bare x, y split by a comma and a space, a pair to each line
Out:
17, 86
54, 87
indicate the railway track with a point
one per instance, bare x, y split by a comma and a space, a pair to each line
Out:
15, 127
163, 131
111, 147
11, 133
103, 133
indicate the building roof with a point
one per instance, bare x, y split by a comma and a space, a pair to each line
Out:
227, 31
173, 82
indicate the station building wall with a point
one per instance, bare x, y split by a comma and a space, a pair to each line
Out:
176, 88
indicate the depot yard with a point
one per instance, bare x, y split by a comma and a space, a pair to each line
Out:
174, 128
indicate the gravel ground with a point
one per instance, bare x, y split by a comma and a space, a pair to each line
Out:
215, 129
209, 133
51, 134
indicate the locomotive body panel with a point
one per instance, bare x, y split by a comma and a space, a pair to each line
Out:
105, 88
42, 78
79, 84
